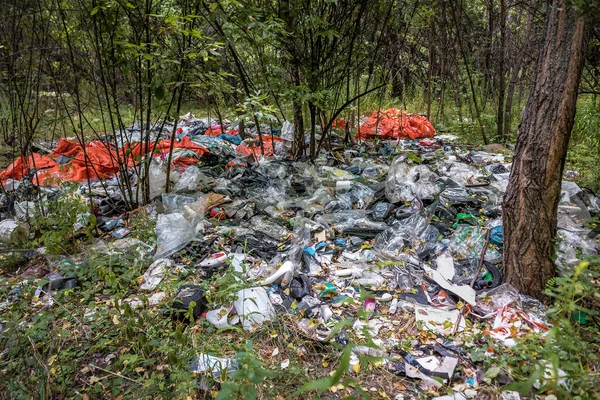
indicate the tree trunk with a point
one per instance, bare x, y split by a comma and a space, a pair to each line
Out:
429, 73
509, 100
501, 72
531, 200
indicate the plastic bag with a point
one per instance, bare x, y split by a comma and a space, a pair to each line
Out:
158, 179
402, 234
467, 242
461, 173
13, 231
568, 190
271, 229
190, 179
174, 231
254, 307
506, 294
301, 236
24, 210
215, 365
175, 202
287, 131
568, 245
405, 183
345, 221
455, 194
361, 196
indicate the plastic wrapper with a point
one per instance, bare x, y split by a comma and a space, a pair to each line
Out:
382, 211
336, 174
496, 168
135, 246
368, 168
405, 183
406, 276
481, 157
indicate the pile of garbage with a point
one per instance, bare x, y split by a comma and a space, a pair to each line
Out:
378, 234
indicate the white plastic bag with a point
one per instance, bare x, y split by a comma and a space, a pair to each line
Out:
254, 307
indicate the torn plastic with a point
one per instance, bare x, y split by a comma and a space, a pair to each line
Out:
155, 273
215, 365
438, 319
12, 231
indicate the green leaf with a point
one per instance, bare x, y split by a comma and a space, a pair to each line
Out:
492, 372
159, 92
319, 385
413, 157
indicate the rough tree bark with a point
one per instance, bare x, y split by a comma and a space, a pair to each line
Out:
531, 200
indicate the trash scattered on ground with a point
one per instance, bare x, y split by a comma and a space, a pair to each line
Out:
408, 229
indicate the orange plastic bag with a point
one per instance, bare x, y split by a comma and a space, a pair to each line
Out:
22, 165
393, 124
